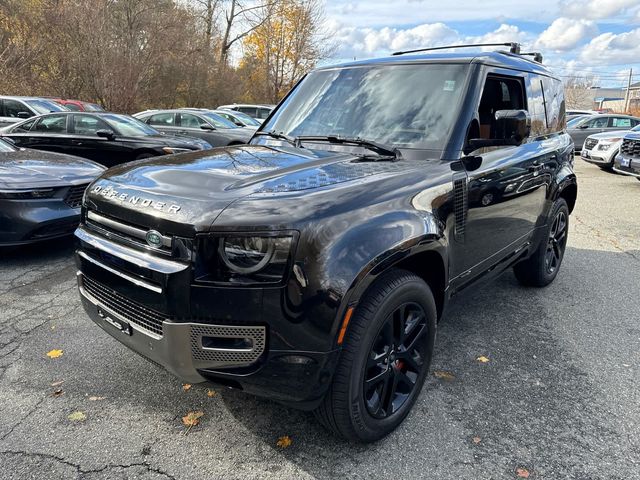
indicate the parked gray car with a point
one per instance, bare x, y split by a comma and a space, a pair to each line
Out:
16, 109
589, 125
201, 123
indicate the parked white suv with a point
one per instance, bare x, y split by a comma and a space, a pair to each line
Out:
601, 148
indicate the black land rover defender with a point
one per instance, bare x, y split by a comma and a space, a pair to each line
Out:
313, 265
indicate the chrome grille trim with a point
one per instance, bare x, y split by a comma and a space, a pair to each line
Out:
125, 229
590, 143
135, 281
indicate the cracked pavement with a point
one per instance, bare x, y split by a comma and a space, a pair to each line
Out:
558, 396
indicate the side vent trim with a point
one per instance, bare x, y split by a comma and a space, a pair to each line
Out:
460, 206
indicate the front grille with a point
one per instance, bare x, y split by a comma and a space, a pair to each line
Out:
590, 143
73, 198
130, 310
630, 148
124, 231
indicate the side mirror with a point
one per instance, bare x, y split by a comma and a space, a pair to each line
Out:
583, 126
24, 115
206, 126
511, 129
240, 124
108, 134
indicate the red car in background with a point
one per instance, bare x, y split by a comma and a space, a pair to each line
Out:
79, 105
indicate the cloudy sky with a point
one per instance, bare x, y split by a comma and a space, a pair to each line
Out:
576, 37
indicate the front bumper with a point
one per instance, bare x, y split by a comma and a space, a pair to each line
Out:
597, 157
128, 305
627, 166
29, 221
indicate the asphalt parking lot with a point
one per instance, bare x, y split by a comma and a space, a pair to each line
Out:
558, 397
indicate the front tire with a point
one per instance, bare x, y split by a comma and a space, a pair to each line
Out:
384, 361
542, 267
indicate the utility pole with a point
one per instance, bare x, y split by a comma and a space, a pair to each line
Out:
627, 96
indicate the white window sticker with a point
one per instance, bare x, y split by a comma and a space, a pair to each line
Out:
449, 85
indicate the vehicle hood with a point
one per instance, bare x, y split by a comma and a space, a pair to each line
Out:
607, 135
27, 168
187, 192
632, 136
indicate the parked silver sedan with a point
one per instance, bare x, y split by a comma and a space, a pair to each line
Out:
589, 125
195, 122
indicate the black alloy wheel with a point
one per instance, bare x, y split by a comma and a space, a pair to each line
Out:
556, 242
395, 361
385, 359
542, 267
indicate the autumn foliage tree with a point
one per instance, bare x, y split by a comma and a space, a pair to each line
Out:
284, 48
136, 54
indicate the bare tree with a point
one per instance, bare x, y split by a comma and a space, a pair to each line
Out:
578, 92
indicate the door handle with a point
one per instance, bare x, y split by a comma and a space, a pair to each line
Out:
76, 142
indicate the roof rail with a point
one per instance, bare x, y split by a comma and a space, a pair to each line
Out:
514, 47
537, 56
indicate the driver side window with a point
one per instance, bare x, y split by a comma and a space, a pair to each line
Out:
88, 125
499, 93
51, 124
598, 122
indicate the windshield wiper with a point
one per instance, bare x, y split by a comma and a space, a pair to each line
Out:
280, 136
385, 151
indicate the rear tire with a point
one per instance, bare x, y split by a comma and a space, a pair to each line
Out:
384, 361
541, 268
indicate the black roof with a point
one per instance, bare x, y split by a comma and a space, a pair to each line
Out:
497, 59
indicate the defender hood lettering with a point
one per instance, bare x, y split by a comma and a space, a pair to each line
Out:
195, 187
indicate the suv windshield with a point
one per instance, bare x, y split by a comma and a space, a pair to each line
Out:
129, 126
45, 106
408, 106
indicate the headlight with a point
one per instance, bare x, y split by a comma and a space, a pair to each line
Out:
27, 194
171, 150
604, 146
244, 259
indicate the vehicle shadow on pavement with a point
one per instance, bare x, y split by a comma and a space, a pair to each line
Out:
536, 404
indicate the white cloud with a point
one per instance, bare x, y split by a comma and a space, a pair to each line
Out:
596, 9
367, 42
565, 34
609, 48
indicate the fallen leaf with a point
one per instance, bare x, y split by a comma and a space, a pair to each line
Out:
95, 399
482, 359
443, 375
211, 393
186, 387
54, 353
57, 392
191, 419
57, 384
77, 416
522, 472
284, 442
476, 440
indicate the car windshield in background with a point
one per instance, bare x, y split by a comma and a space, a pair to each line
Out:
129, 126
92, 107
218, 121
6, 147
248, 120
409, 106
574, 121
45, 106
